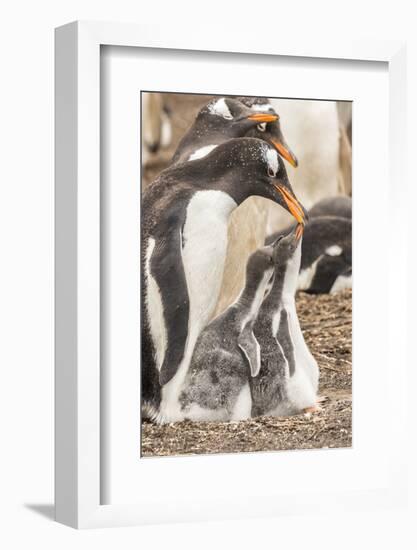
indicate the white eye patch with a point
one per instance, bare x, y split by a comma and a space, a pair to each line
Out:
263, 107
334, 250
272, 160
202, 152
220, 108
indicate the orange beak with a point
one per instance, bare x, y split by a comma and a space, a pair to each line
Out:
263, 117
285, 153
293, 205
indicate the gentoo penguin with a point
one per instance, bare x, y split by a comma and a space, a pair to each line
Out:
288, 379
223, 119
332, 206
227, 354
183, 248
269, 131
326, 262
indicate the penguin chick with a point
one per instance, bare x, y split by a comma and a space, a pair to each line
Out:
288, 379
227, 354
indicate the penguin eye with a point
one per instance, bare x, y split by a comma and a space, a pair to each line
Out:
262, 127
271, 173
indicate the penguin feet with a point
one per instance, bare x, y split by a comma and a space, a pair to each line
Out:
313, 409
316, 408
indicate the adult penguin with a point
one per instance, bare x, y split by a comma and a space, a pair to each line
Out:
183, 249
226, 118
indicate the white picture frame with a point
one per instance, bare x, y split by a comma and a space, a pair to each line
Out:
78, 411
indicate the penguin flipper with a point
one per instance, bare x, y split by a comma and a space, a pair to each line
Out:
285, 341
251, 349
168, 272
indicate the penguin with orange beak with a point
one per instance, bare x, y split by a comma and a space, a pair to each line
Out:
225, 118
270, 130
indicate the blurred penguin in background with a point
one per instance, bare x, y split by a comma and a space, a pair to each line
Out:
340, 206
313, 129
344, 111
156, 126
326, 259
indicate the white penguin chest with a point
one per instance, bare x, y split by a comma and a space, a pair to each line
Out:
304, 383
203, 253
204, 250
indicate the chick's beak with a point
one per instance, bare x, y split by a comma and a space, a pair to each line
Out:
299, 230
263, 117
285, 152
293, 205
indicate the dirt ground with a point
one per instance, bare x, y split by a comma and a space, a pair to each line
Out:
326, 321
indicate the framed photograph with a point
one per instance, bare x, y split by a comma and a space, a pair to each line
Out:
213, 358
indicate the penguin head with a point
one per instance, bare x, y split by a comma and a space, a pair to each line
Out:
231, 118
260, 267
287, 248
269, 131
253, 167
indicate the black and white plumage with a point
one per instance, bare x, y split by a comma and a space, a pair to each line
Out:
227, 353
269, 131
288, 379
183, 248
226, 118
326, 261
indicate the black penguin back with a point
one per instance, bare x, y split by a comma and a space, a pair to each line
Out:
332, 206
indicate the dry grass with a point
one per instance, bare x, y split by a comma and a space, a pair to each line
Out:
326, 323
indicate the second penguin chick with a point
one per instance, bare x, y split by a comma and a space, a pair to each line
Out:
227, 353
288, 379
